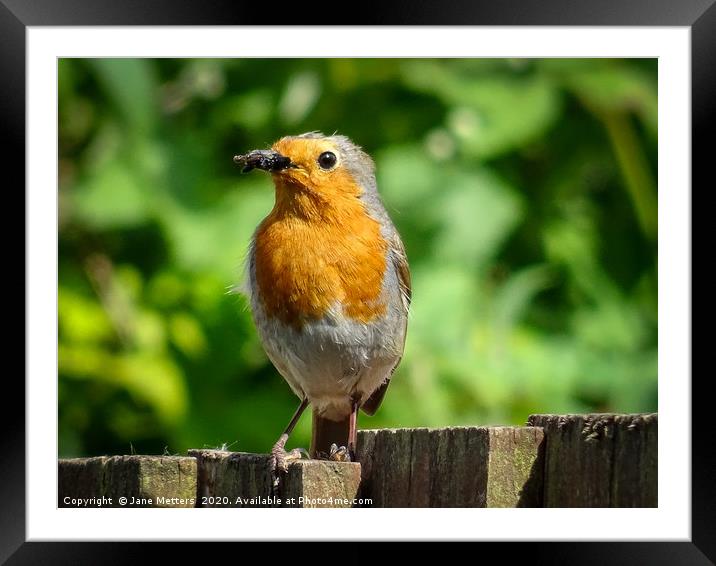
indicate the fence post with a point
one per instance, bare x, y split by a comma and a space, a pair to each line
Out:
239, 479
143, 481
452, 467
600, 460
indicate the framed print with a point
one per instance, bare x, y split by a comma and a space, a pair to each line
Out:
231, 215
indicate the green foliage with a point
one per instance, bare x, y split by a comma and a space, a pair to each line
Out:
524, 190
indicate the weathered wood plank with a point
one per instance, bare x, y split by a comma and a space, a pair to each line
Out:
452, 467
599, 460
238, 479
635, 477
144, 481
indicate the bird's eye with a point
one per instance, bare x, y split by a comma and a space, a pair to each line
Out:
327, 160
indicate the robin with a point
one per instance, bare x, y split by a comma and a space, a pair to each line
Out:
329, 286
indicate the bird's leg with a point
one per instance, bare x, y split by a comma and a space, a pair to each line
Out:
279, 457
353, 430
347, 453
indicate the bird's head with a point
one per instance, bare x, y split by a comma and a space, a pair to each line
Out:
314, 167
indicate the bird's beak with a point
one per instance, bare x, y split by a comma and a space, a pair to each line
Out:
265, 159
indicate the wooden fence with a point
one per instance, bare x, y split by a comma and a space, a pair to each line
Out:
595, 460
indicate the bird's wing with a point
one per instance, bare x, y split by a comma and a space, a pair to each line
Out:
400, 262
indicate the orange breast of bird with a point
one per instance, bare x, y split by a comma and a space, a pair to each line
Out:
318, 251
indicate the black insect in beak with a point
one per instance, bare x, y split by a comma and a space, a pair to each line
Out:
265, 159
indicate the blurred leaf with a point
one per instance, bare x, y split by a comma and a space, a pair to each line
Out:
151, 332
492, 115
153, 379
218, 238
188, 335
80, 319
610, 326
516, 294
406, 176
131, 86
609, 85
166, 289
251, 110
302, 93
441, 317
111, 197
477, 211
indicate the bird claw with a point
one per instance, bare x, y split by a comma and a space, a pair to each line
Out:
339, 454
280, 458
303, 453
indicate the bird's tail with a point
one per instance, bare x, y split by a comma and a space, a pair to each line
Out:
327, 432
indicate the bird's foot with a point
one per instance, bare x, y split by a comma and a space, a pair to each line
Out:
339, 454
280, 458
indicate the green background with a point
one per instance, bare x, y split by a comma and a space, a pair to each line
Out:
524, 190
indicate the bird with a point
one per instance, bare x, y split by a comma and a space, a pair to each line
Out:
328, 284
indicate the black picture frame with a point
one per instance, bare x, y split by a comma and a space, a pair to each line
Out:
17, 15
